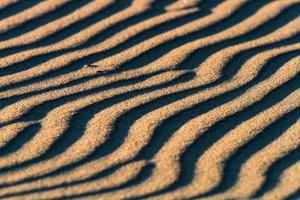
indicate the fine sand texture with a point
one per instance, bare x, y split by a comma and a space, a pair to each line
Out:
149, 99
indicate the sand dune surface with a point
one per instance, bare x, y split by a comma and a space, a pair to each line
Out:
150, 99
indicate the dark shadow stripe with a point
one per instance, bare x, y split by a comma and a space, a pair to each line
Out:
17, 142
228, 72
277, 168
145, 172
173, 124
71, 29
100, 175
45, 18
75, 64
41, 110
200, 145
17, 7
224, 73
96, 39
163, 132
78, 125
200, 55
295, 195
233, 164
269, 72
142, 176
84, 23
182, 117
238, 16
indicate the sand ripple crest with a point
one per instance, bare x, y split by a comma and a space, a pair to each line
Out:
150, 99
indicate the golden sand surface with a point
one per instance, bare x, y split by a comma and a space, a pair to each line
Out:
150, 99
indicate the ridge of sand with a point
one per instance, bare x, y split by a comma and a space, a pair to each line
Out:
110, 110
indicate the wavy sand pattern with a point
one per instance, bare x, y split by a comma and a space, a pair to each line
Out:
150, 99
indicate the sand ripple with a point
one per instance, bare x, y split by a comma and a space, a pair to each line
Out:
149, 99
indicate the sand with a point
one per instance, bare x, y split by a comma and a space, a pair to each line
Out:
149, 99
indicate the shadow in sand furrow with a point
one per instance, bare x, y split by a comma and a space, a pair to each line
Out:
145, 172
227, 72
73, 66
37, 114
277, 168
238, 16
117, 7
16, 8
96, 39
162, 4
172, 99
163, 132
175, 122
71, 29
142, 176
295, 195
239, 59
234, 163
198, 56
245, 11
100, 175
79, 121
205, 5
203, 141
7, 101
189, 157
98, 16
17, 142
42, 20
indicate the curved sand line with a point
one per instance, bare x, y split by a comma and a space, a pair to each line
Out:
258, 61
63, 60
153, 65
31, 13
288, 184
264, 56
104, 158
167, 158
281, 34
6, 3
11, 131
252, 172
85, 34
266, 13
51, 123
